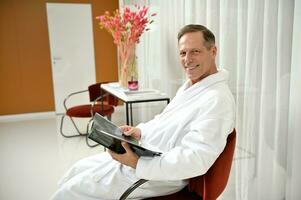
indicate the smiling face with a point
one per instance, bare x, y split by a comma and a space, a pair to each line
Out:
197, 60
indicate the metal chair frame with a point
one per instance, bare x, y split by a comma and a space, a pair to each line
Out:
79, 133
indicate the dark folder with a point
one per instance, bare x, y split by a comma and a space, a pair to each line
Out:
110, 136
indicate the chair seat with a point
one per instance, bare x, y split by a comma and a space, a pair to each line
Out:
181, 195
85, 110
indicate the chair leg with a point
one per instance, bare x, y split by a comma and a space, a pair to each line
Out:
90, 145
87, 136
76, 128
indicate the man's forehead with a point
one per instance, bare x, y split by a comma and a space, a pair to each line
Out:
192, 36
191, 40
191, 45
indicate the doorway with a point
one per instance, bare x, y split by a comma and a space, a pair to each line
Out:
72, 50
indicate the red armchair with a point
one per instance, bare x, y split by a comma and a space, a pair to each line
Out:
206, 187
100, 102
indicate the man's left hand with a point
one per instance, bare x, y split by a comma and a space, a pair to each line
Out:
129, 158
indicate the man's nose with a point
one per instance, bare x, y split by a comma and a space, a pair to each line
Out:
188, 58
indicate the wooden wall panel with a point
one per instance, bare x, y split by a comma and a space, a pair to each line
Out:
25, 65
10, 78
35, 64
105, 49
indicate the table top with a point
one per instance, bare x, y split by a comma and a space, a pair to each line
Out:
134, 96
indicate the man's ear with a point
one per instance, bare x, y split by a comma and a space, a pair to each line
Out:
214, 50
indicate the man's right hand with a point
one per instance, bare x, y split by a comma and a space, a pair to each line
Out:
131, 131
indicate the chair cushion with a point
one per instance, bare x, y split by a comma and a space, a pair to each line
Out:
196, 185
85, 110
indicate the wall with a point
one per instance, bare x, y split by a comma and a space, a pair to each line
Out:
25, 66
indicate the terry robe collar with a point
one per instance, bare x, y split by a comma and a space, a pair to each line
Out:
188, 91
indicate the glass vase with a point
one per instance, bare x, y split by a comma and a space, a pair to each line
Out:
127, 67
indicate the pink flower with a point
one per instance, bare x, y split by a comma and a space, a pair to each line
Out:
126, 27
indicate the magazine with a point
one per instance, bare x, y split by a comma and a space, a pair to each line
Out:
110, 136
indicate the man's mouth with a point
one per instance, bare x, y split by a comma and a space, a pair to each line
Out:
191, 68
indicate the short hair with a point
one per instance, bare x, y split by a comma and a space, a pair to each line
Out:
207, 34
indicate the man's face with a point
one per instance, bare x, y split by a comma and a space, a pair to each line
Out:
197, 60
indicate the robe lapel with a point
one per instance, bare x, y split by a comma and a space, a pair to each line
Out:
196, 89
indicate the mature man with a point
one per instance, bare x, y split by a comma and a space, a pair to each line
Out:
191, 132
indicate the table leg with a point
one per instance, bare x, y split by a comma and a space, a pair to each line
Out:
127, 113
131, 114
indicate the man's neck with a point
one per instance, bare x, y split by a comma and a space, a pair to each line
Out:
213, 70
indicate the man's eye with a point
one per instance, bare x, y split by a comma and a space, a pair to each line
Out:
195, 52
182, 53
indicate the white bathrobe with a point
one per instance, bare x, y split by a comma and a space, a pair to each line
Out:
191, 132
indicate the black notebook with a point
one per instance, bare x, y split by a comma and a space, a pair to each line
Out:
110, 136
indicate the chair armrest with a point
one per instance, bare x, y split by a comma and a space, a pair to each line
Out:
96, 100
100, 98
132, 188
70, 95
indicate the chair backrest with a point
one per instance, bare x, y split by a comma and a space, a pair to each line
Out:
95, 91
213, 183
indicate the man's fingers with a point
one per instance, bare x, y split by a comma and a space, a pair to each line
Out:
111, 153
114, 155
125, 127
126, 146
129, 132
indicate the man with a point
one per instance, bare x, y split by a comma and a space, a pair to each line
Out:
191, 132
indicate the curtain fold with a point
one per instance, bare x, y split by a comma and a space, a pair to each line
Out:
293, 178
255, 44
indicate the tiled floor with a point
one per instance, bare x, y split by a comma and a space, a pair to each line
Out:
33, 156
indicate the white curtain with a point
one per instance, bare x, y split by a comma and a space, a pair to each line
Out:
259, 44
293, 178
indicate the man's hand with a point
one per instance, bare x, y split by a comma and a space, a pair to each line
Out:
129, 158
131, 131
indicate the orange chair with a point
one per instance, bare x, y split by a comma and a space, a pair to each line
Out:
100, 102
206, 187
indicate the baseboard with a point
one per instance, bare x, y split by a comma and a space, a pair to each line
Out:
27, 116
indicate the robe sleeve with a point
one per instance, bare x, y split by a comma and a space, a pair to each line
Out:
198, 149
148, 126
